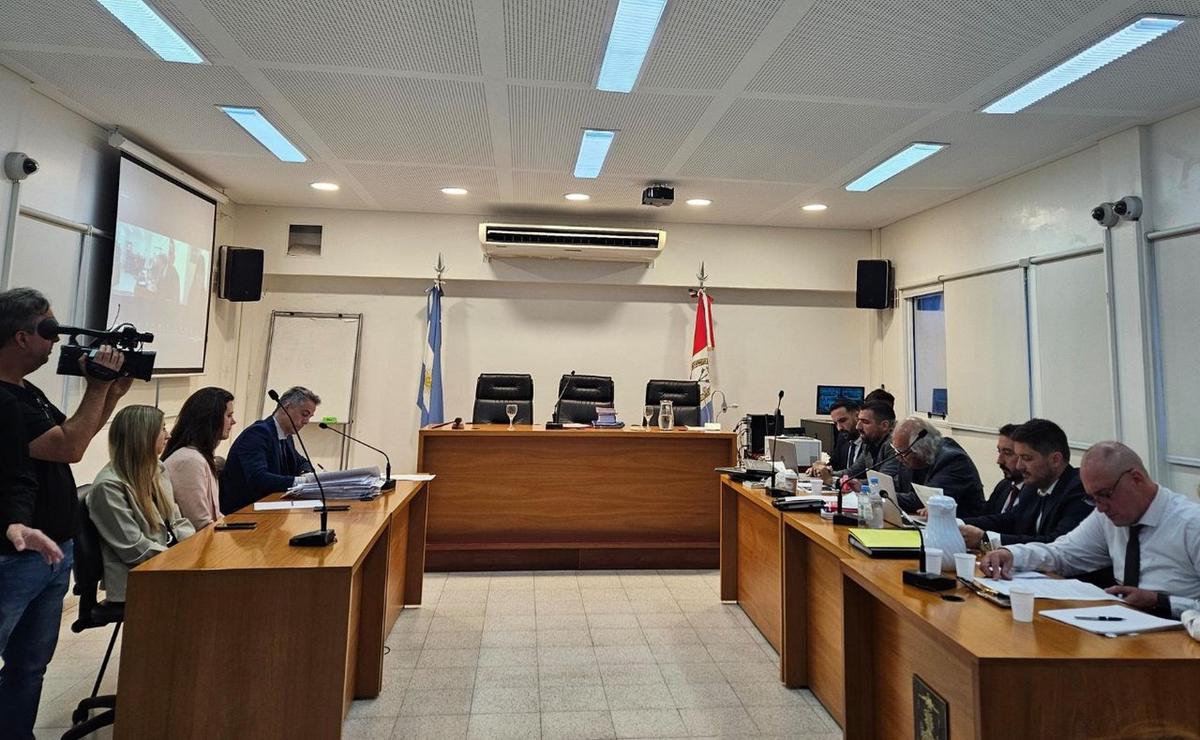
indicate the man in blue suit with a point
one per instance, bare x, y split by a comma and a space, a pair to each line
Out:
263, 459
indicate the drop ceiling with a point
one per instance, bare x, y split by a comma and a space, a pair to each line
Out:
760, 105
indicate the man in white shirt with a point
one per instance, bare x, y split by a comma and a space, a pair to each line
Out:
1149, 534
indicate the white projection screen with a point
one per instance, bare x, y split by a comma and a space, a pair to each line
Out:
162, 265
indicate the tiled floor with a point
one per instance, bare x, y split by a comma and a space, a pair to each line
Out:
587, 654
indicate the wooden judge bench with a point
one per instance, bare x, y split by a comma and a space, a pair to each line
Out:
848, 629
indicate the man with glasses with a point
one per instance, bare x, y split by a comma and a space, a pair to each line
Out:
1052, 501
874, 424
1149, 534
937, 462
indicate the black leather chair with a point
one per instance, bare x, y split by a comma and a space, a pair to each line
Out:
581, 395
89, 567
684, 396
494, 391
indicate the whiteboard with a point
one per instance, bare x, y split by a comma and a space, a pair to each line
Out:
1177, 273
987, 365
318, 351
1073, 375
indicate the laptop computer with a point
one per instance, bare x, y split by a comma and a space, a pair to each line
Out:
892, 513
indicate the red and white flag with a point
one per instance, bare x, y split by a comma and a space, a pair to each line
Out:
703, 344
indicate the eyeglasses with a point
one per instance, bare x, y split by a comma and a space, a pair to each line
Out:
1106, 494
902, 453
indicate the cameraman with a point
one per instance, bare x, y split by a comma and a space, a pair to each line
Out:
38, 517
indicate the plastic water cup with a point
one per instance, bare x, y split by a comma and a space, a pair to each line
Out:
933, 560
814, 486
1022, 600
964, 565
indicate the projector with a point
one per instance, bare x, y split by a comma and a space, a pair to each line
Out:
658, 195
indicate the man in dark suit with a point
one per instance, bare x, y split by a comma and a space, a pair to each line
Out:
263, 459
848, 445
937, 462
1051, 503
875, 422
1004, 495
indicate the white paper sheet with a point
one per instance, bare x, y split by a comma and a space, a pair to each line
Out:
1066, 589
1119, 620
284, 505
414, 477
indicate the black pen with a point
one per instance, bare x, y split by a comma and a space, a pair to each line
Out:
1103, 619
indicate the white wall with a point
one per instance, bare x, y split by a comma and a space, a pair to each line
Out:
1044, 211
783, 309
77, 181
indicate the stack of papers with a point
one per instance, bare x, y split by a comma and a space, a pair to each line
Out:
1065, 589
356, 483
1111, 620
284, 505
886, 543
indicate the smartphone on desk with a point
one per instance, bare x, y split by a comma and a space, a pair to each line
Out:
226, 526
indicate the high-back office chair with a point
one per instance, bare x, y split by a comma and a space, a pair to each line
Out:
684, 395
581, 395
89, 567
494, 391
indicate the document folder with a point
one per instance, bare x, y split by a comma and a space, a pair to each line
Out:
886, 543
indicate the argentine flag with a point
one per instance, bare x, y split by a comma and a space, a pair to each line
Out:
703, 344
429, 394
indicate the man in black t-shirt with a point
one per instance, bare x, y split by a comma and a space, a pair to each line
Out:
37, 501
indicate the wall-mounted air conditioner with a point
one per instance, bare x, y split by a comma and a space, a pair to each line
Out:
571, 242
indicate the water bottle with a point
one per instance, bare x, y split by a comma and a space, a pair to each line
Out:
876, 509
864, 506
666, 415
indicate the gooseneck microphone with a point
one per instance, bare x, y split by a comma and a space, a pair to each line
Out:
323, 536
775, 422
554, 423
389, 484
921, 578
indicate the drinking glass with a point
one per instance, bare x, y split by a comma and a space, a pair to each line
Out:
511, 410
666, 415
648, 412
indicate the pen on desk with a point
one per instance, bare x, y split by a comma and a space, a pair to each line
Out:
1103, 619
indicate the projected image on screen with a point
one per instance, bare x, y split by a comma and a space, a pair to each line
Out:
162, 265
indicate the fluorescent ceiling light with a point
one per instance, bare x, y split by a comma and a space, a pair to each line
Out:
699, 202
255, 124
454, 191
593, 148
814, 207
894, 165
577, 196
330, 186
153, 30
632, 31
1110, 49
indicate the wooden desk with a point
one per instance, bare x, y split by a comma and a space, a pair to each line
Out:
751, 557
1000, 678
565, 498
237, 634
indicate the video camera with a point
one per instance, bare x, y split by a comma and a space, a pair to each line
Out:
125, 338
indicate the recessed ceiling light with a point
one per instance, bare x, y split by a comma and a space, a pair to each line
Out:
255, 124
324, 186
699, 202
577, 196
454, 191
895, 164
593, 148
153, 30
1139, 33
632, 31
814, 207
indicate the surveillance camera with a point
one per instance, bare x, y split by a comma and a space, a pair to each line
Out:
658, 195
19, 165
1128, 208
1105, 215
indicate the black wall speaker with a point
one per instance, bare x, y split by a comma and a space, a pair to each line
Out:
875, 284
241, 274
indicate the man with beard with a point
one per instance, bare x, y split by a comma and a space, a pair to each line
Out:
1004, 495
844, 414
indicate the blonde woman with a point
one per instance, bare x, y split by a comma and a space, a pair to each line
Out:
131, 502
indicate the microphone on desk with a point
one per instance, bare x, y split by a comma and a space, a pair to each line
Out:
840, 518
775, 422
389, 484
554, 423
323, 536
921, 579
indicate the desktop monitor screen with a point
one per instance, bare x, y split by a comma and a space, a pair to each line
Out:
828, 394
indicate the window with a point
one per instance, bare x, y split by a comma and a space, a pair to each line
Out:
929, 354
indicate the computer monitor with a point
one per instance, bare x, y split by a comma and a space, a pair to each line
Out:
827, 395
940, 402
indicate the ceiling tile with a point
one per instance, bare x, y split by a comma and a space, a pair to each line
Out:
701, 43
267, 181
555, 42
415, 35
406, 188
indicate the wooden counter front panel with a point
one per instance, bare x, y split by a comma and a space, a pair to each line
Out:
825, 660
575, 493
759, 583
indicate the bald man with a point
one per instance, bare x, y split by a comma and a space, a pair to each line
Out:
1149, 534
